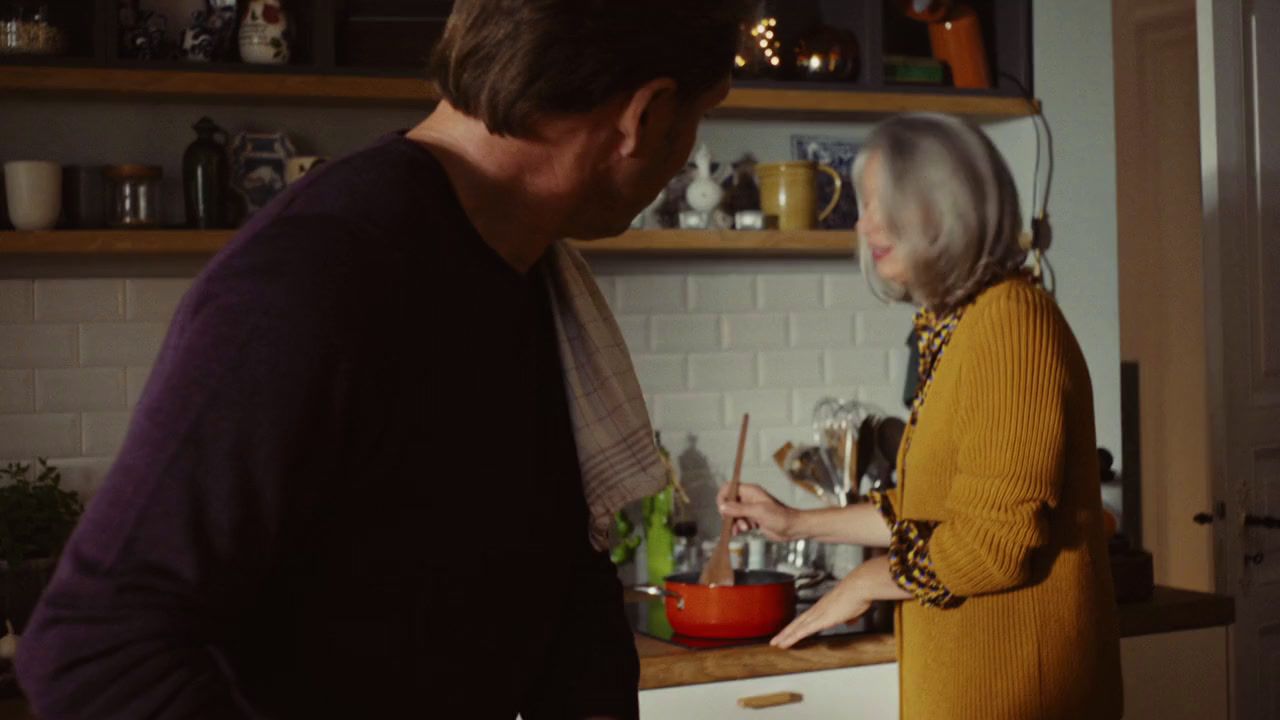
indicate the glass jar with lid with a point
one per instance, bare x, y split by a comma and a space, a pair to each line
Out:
133, 195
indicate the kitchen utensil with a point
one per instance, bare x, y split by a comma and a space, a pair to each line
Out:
805, 467
757, 603
718, 570
836, 425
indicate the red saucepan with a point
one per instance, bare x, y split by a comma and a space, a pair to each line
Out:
759, 603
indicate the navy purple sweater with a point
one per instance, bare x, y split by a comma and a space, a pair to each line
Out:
349, 476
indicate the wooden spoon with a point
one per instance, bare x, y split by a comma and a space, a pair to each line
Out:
718, 570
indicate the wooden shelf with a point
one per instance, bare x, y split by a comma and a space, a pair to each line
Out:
768, 243
311, 88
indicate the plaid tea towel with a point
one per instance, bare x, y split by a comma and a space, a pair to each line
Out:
616, 449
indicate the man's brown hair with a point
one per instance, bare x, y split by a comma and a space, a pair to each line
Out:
507, 62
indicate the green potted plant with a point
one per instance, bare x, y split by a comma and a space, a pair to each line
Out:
36, 518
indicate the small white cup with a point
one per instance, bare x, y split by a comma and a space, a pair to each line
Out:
33, 189
299, 165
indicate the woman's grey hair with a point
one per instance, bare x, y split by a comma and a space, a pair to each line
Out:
948, 198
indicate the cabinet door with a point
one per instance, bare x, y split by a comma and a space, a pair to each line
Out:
867, 693
1176, 676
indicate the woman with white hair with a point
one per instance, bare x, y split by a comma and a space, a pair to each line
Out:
995, 529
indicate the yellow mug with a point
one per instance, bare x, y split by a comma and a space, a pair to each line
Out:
789, 191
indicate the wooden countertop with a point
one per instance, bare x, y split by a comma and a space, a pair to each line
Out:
665, 665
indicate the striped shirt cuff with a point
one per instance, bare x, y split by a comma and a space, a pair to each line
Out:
909, 562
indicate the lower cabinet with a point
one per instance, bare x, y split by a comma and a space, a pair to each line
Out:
1170, 676
867, 693
1176, 676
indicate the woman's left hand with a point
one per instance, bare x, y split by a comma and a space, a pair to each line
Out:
847, 601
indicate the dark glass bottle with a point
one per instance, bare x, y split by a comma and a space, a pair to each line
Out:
204, 176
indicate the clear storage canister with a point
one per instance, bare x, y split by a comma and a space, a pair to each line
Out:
133, 195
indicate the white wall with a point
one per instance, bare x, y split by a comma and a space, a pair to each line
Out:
1074, 80
816, 328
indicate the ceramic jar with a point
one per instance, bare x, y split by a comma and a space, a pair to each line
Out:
263, 33
259, 167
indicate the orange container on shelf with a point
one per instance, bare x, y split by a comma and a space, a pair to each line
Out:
957, 41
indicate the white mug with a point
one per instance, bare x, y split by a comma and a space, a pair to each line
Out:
299, 165
33, 189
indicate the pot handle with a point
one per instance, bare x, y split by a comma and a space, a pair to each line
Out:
812, 578
658, 592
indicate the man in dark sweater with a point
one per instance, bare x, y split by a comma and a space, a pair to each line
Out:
351, 488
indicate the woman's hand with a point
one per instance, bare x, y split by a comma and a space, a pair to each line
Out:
846, 602
756, 508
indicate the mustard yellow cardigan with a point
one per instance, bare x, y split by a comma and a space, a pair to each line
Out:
1003, 458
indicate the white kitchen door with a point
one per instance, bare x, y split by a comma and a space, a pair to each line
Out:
1239, 60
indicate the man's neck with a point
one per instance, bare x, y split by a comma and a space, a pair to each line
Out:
518, 193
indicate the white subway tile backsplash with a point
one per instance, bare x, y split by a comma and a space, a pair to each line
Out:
43, 435
79, 300
17, 301
153, 298
767, 407
848, 290
857, 366
898, 360
78, 389
135, 379
609, 289
885, 328
790, 292
635, 330
755, 332
722, 371
33, 346
791, 368
652, 293
17, 391
724, 293
821, 330
83, 475
707, 347
678, 413
660, 373
720, 446
885, 399
104, 432
120, 343
686, 333
772, 480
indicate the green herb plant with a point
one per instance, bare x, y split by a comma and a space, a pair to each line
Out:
36, 515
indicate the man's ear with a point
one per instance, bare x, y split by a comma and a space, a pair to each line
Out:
647, 116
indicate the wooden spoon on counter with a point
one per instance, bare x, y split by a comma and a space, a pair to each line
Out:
718, 570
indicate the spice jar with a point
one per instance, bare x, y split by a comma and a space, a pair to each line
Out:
133, 195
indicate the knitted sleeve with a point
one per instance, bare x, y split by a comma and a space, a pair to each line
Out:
909, 561
1011, 434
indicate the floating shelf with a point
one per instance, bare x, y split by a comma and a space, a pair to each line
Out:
363, 89
766, 243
